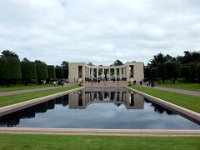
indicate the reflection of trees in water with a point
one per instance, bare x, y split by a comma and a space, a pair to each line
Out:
10, 120
117, 104
27, 113
112, 96
158, 108
100, 96
118, 96
106, 95
41, 108
65, 101
13, 119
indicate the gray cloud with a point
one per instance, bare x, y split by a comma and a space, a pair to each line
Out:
98, 31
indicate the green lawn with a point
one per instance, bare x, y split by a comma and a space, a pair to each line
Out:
188, 86
22, 87
54, 142
16, 98
187, 101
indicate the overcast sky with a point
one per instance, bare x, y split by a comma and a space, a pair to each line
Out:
98, 31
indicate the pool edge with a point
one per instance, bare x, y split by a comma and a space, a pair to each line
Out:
189, 114
103, 132
18, 106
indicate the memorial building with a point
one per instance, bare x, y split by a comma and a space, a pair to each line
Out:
130, 71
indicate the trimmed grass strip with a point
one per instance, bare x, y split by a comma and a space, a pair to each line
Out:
183, 86
53, 142
16, 98
183, 100
22, 87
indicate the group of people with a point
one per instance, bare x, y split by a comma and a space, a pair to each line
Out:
58, 82
100, 79
150, 83
134, 82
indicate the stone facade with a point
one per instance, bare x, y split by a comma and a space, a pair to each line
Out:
133, 71
85, 97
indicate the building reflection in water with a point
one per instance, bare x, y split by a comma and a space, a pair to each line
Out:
81, 99
78, 100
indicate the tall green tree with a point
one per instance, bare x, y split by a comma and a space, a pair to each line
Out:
172, 71
8, 53
2, 67
59, 72
161, 71
147, 72
168, 70
193, 71
117, 63
65, 66
11, 69
185, 73
28, 70
90, 64
176, 70
153, 75
51, 72
198, 72
157, 59
42, 71
189, 57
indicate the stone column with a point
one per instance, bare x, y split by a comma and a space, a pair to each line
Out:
115, 73
120, 73
89, 73
127, 72
97, 73
83, 73
103, 73
92, 73
109, 73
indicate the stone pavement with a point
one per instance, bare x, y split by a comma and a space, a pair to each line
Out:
107, 84
33, 90
107, 132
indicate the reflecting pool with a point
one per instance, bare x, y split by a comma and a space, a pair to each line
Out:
101, 108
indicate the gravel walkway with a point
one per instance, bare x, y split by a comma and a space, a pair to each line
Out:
188, 92
32, 90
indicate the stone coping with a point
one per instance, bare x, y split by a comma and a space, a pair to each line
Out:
18, 106
191, 115
105, 132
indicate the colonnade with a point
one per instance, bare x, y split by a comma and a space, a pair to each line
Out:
126, 72
106, 72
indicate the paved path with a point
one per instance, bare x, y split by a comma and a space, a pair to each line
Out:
108, 84
189, 92
32, 90
107, 132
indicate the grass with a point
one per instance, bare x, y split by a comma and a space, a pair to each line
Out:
22, 87
16, 98
54, 142
187, 101
188, 86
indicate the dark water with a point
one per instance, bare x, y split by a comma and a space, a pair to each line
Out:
98, 108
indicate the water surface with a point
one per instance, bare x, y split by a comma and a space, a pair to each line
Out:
98, 108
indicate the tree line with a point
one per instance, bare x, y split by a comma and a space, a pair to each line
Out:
160, 67
165, 67
12, 70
